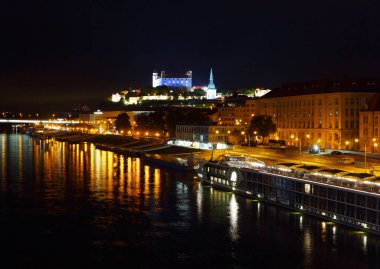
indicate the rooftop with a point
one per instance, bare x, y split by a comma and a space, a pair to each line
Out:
326, 86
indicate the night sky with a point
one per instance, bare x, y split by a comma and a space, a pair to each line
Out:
60, 53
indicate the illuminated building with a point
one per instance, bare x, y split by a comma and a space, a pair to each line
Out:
211, 90
369, 124
202, 136
172, 80
321, 112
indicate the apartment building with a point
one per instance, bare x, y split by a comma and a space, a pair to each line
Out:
323, 112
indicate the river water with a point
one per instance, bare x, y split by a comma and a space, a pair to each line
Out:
73, 206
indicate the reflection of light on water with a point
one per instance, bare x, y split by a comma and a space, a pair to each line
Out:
121, 174
334, 234
365, 243
146, 180
110, 171
234, 210
3, 159
323, 231
183, 204
307, 248
258, 209
199, 201
20, 156
81, 164
301, 222
157, 184
129, 175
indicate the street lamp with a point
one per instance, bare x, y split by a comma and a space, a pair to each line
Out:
356, 144
365, 156
300, 151
308, 142
243, 134
373, 144
346, 144
292, 137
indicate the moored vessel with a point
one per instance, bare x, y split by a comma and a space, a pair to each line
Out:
351, 199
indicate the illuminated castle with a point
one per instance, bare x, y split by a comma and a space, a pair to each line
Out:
172, 80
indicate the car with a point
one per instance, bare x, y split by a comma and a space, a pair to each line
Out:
314, 149
336, 152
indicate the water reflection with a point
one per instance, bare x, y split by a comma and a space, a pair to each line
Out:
234, 210
3, 154
77, 200
307, 248
199, 202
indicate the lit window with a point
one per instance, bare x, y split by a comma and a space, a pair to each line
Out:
307, 188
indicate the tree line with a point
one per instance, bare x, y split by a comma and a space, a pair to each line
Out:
163, 121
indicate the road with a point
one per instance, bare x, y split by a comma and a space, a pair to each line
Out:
326, 160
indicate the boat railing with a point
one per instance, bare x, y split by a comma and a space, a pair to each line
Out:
356, 184
316, 176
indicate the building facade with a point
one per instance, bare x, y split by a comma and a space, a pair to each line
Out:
369, 127
172, 80
323, 112
203, 136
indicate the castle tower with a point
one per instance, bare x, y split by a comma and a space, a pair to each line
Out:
211, 90
156, 80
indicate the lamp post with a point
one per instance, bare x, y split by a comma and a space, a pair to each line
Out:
356, 145
347, 142
300, 151
292, 137
373, 144
365, 156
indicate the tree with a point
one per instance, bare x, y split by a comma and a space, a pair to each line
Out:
151, 121
235, 138
198, 93
186, 117
263, 125
122, 122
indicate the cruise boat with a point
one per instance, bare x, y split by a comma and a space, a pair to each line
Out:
242, 161
351, 199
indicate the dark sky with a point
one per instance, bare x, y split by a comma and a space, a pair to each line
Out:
60, 53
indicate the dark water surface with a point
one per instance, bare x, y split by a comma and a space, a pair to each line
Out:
73, 206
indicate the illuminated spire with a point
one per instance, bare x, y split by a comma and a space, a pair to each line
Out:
211, 84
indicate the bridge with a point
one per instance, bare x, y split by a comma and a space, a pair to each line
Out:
21, 121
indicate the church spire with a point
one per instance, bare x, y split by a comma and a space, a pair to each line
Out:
211, 84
